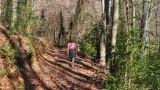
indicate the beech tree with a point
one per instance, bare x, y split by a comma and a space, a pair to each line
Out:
114, 27
102, 37
14, 13
144, 22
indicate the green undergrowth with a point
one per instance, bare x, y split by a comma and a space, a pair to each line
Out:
13, 56
135, 68
3, 73
89, 46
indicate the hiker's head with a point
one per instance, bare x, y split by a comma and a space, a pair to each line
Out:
71, 41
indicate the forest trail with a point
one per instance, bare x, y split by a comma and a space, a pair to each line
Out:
51, 70
53, 67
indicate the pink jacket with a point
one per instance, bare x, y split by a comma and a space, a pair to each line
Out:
71, 46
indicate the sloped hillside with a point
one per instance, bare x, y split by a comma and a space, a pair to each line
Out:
10, 76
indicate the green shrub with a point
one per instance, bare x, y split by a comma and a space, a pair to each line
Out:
89, 50
21, 85
89, 46
3, 73
153, 78
111, 83
18, 60
7, 52
11, 56
131, 66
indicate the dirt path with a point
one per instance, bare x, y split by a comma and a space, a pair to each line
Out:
52, 71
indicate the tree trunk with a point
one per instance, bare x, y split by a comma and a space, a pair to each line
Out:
0, 6
102, 37
14, 13
133, 14
102, 50
127, 14
109, 9
114, 28
157, 35
144, 23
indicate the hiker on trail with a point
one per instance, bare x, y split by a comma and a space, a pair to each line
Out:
72, 51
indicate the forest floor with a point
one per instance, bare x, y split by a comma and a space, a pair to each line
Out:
51, 70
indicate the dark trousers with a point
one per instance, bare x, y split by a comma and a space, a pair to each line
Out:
73, 60
72, 56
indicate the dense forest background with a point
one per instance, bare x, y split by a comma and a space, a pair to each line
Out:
121, 36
